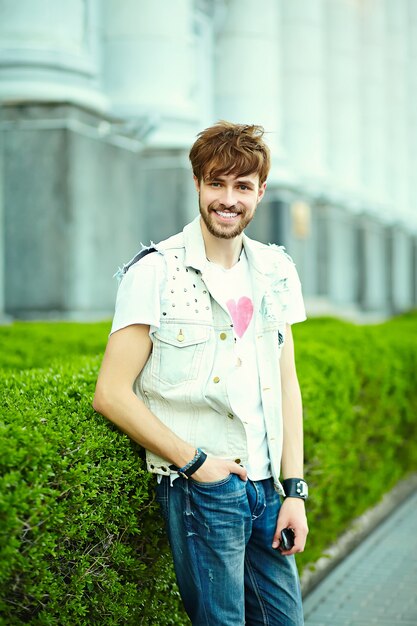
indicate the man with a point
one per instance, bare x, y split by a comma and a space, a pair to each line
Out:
199, 369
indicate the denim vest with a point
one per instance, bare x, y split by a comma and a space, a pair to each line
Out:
184, 381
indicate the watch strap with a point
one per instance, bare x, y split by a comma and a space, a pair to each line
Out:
192, 466
295, 488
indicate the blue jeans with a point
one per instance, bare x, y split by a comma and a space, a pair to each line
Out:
221, 537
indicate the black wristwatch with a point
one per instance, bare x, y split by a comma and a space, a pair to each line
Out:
295, 488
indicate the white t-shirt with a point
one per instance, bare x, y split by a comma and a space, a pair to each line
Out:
139, 295
232, 288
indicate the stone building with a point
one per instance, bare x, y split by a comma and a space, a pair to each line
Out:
101, 99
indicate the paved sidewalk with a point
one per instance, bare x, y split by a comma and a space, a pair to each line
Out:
377, 582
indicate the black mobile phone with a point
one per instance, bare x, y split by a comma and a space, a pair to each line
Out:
287, 539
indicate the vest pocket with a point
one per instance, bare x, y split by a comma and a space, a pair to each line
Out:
178, 351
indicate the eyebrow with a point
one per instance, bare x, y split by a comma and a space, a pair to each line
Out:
238, 181
244, 181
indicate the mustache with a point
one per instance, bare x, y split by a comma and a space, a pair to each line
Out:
216, 206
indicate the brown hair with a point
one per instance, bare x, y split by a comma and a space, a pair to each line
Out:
227, 148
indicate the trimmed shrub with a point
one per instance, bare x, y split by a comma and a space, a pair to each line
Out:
360, 417
81, 539
25, 345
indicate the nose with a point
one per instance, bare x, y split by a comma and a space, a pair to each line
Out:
228, 197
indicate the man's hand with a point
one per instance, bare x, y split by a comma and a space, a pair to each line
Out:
292, 515
214, 469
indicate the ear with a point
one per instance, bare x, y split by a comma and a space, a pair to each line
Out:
261, 191
196, 183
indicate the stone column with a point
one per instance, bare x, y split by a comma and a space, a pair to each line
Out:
3, 318
397, 102
398, 172
338, 257
339, 261
375, 146
202, 59
247, 70
48, 52
414, 270
412, 110
304, 89
304, 129
374, 266
401, 283
148, 66
343, 96
373, 258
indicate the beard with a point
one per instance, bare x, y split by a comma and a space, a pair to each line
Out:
225, 231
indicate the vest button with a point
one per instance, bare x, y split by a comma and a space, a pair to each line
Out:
216, 379
230, 415
180, 336
238, 461
223, 336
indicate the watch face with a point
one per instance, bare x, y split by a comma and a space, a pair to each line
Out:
302, 489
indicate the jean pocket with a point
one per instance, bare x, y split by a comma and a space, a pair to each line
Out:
220, 500
216, 483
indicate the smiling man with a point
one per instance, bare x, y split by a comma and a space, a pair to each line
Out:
199, 369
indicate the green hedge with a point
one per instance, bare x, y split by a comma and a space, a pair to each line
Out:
25, 345
360, 415
81, 538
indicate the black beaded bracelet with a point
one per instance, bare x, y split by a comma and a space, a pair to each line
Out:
192, 466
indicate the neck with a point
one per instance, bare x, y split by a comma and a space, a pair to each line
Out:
224, 252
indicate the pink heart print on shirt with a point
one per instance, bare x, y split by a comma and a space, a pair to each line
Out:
241, 314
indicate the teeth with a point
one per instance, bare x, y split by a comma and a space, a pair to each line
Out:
226, 214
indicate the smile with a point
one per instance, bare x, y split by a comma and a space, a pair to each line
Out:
226, 215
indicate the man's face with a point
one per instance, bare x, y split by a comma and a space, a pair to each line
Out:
228, 203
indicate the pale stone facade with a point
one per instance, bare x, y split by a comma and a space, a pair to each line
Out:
101, 99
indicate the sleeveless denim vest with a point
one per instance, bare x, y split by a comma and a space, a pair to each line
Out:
184, 381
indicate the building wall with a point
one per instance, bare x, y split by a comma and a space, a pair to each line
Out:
100, 101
